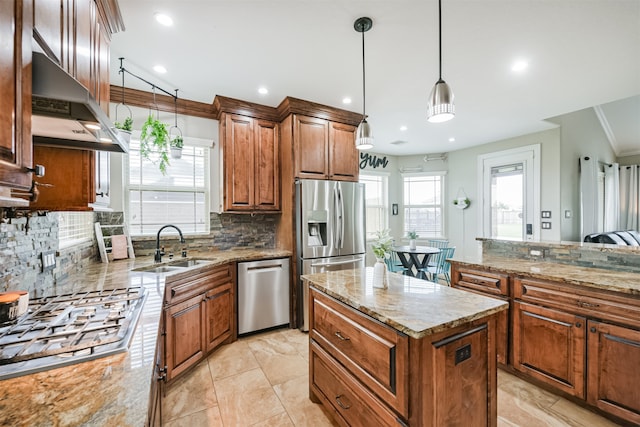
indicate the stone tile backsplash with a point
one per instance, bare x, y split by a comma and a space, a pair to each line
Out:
24, 239
611, 257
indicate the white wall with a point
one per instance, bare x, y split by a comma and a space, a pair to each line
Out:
581, 135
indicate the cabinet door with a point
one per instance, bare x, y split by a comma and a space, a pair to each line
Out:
184, 338
549, 345
238, 163
343, 155
15, 91
102, 178
100, 55
71, 176
311, 147
267, 166
219, 315
613, 380
50, 24
81, 43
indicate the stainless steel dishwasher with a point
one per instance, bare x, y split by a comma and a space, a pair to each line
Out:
263, 294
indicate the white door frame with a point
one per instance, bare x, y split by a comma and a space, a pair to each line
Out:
529, 156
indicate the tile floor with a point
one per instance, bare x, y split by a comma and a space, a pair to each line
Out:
262, 380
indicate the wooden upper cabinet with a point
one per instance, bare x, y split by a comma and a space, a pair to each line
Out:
16, 26
324, 149
81, 42
311, 144
343, 154
51, 28
251, 164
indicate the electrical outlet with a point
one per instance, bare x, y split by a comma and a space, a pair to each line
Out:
48, 260
535, 252
463, 353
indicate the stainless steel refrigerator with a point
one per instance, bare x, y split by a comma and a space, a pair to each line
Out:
330, 231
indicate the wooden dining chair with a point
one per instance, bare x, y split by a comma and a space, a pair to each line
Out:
441, 266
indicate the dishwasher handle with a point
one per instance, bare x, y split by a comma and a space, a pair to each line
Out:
264, 268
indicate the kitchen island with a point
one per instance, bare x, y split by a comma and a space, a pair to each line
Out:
112, 390
416, 353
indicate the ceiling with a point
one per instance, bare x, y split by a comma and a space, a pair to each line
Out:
581, 53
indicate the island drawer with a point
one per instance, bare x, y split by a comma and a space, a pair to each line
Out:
374, 353
579, 300
481, 281
183, 288
354, 404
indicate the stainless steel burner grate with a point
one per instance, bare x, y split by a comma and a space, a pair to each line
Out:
70, 328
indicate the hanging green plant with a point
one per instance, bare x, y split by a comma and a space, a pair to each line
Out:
155, 139
127, 124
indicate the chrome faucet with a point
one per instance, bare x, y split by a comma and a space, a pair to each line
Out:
158, 255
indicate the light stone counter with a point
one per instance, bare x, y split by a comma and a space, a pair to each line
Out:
597, 278
113, 390
415, 307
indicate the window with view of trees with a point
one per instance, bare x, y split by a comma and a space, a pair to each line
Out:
423, 204
181, 197
376, 201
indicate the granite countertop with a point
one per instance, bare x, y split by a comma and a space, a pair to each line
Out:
415, 307
113, 390
597, 278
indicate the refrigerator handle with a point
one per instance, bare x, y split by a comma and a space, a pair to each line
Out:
336, 218
341, 213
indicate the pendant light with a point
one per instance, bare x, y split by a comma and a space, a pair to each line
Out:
364, 137
441, 107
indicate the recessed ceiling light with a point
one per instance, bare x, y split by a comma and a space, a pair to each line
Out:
452, 139
92, 126
163, 19
519, 65
159, 69
105, 139
403, 128
346, 100
263, 90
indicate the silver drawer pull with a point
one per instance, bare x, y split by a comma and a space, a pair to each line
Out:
341, 337
340, 402
587, 304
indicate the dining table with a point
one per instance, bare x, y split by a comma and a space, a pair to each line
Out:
415, 260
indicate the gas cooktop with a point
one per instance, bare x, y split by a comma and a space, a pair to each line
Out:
67, 329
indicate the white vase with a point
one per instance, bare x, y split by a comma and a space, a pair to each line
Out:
412, 244
176, 153
380, 274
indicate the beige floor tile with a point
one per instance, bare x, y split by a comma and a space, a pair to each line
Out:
294, 395
209, 417
575, 415
246, 398
231, 359
179, 400
299, 340
280, 420
278, 358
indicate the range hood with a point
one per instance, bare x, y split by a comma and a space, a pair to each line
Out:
64, 114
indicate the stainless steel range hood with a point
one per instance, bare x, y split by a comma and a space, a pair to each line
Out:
65, 114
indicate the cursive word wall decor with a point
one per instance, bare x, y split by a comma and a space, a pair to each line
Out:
367, 159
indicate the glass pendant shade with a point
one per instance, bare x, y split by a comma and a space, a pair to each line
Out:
364, 137
441, 107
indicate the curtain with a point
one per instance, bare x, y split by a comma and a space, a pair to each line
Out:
588, 195
611, 197
629, 200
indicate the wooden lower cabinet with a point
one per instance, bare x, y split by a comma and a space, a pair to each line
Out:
154, 417
366, 373
199, 315
549, 345
613, 380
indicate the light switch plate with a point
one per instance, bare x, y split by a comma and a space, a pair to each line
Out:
48, 260
546, 225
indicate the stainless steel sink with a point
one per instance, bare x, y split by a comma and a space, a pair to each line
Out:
190, 263
174, 266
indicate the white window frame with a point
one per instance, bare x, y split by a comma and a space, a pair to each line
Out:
529, 156
385, 197
441, 205
188, 141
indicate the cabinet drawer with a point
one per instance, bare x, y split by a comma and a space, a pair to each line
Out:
183, 288
354, 404
578, 300
483, 281
374, 353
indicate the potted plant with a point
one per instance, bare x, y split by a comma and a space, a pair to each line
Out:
154, 138
176, 147
461, 202
412, 235
125, 128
